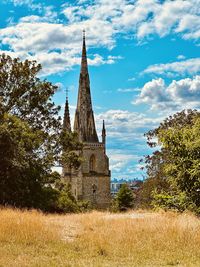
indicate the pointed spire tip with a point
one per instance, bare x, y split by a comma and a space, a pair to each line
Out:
103, 126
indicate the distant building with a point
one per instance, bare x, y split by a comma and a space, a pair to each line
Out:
92, 180
134, 185
115, 186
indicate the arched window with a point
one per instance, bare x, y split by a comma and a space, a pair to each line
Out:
92, 163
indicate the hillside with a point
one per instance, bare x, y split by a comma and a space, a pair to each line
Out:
30, 238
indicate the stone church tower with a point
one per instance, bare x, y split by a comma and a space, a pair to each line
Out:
92, 180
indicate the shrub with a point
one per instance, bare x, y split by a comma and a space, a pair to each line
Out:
124, 199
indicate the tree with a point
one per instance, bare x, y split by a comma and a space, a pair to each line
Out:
183, 170
124, 198
178, 161
146, 194
31, 135
18, 146
27, 97
66, 202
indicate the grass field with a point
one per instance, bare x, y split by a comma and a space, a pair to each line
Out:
99, 239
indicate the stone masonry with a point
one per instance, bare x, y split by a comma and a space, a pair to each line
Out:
92, 180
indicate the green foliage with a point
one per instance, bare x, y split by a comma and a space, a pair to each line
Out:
31, 137
124, 199
151, 184
177, 162
66, 202
70, 144
84, 206
21, 171
166, 200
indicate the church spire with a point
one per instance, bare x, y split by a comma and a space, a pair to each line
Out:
66, 121
84, 67
103, 133
84, 123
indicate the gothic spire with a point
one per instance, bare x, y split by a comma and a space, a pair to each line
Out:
84, 123
66, 121
103, 133
84, 67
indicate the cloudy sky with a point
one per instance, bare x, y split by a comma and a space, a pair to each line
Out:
143, 54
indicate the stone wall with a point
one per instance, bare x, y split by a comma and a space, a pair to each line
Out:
92, 181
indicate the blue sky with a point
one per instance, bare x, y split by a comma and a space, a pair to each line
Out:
143, 55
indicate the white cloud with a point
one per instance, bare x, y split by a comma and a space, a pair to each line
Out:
186, 90
141, 17
153, 92
177, 16
20, 2
180, 57
125, 164
189, 24
185, 67
125, 125
131, 79
177, 95
128, 90
45, 36
29, 3
55, 46
119, 160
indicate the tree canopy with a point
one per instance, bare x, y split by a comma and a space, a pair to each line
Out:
177, 162
31, 135
124, 199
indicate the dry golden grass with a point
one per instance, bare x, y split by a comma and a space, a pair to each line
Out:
30, 238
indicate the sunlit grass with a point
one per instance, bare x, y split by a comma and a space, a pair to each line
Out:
30, 238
